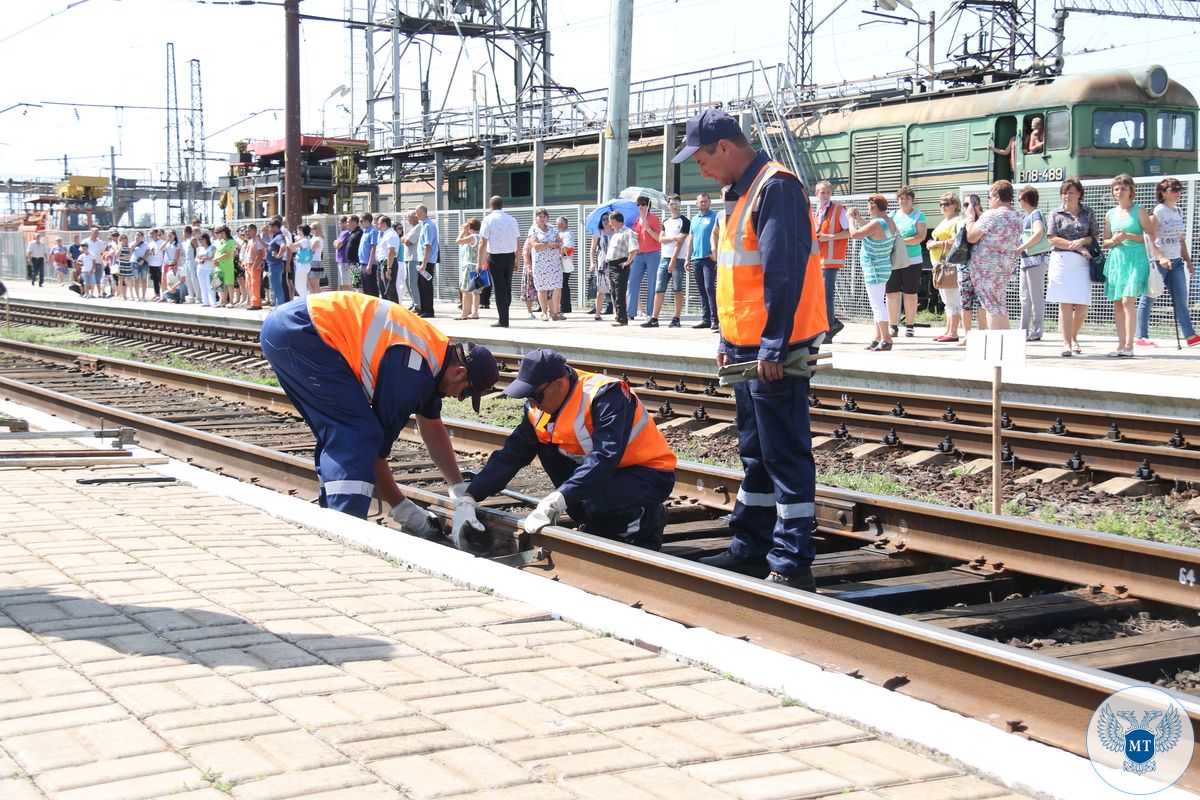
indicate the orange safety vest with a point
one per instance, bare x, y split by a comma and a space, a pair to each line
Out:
572, 432
741, 302
362, 328
833, 252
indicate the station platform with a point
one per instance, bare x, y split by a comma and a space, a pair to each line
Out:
1159, 380
197, 639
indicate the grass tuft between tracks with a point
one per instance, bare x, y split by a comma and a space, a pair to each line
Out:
71, 337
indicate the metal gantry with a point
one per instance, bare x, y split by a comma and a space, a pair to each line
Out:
1173, 10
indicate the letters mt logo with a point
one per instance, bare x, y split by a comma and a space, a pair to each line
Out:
1156, 732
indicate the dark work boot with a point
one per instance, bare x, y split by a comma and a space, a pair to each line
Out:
804, 582
727, 560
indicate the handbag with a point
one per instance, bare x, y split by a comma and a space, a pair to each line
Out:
960, 251
945, 276
1155, 285
568, 259
480, 279
899, 253
1096, 260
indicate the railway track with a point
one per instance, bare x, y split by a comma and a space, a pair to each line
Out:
913, 596
1163, 448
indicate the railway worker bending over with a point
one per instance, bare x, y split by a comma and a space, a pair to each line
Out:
610, 465
771, 306
357, 367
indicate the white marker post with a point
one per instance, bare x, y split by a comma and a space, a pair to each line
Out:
998, 349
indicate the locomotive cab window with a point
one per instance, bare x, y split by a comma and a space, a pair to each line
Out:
1119, 129
1176, 130
1058, 130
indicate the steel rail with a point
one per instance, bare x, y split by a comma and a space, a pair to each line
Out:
1080, 424
1029, 693
1147, 570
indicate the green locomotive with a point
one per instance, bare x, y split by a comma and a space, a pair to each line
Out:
1095, 125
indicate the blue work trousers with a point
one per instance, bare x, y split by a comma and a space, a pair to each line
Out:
830, 276
773, 517
643, 270
628, 507
1176, 280
704, 274
320, 384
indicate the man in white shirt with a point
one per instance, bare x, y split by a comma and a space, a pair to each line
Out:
675, 229
498, 254
411, 260
36, 255
622, 250
388, 264
154, 258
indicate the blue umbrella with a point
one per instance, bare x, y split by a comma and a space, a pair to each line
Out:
628, 209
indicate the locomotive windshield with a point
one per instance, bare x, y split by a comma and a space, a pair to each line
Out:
1119, 129
1176, 130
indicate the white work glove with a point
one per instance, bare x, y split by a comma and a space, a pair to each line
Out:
458, 491
415, 520
546, 512
465, 523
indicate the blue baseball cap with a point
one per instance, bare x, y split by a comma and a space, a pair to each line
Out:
481, 370
709, 126
537, 368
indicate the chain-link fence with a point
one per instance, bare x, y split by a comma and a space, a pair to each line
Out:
1097, 194
851, 298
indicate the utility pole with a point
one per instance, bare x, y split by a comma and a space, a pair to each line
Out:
112, 165
292, 190
616, 131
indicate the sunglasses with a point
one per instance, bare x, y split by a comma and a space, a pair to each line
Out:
539, 394
1174, 188
946, 203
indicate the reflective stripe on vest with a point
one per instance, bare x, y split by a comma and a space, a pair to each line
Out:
572, 434
741, 293
833, 254
362, 328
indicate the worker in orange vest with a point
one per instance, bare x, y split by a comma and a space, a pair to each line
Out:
610, 465
357, 367
771, 306
833, 233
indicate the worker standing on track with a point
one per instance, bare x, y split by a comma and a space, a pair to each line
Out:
356, 368
771, 306
610, 465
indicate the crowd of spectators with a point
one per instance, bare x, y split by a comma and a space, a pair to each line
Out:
977, 253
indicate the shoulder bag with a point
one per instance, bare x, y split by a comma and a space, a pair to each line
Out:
899, 249
1096, 260
1155, 285
960, 251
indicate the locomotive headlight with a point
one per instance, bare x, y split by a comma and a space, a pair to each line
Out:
1154, 81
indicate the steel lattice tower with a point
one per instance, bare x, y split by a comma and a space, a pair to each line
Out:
196, 170
175, 173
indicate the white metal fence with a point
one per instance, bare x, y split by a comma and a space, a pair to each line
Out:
851, 298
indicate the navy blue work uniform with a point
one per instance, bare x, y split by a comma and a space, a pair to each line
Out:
773, 517
623, 503
352, 433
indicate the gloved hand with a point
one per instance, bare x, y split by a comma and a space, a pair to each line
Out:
415, 520
458, 491
546, 512
465, 523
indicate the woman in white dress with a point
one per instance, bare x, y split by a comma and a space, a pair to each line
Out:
1072, 230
